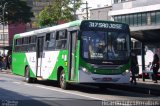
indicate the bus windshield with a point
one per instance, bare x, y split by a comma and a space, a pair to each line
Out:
103, 45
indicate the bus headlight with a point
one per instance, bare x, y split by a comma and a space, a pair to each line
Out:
85, 70
125, 73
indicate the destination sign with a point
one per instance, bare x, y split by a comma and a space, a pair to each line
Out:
103, 25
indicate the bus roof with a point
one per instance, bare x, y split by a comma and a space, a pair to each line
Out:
49, 29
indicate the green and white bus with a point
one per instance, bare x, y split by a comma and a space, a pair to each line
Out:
82, 51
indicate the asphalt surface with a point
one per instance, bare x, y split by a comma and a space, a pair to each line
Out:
14, 91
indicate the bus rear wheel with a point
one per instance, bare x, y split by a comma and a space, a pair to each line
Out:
28, 79
62, 80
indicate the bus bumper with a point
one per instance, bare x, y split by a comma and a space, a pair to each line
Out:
98, 78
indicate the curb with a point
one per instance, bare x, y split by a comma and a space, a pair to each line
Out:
138, 88
5, 72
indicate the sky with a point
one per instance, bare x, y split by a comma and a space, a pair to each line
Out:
96, 3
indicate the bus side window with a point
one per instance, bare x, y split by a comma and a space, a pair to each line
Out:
50, 41
15, 45
25, 44
32, 43
61, 39
47, 41
19, 43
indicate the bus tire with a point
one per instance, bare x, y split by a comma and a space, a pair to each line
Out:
28, 79
62, 80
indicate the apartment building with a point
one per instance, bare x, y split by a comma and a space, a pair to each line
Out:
143, 16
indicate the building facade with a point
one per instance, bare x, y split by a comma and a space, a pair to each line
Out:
12, 29
37, 7
3, 37
100, 13
143, 16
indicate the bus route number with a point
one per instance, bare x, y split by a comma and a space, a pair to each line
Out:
98, 25
105, 25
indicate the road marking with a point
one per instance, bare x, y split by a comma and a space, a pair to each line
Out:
28, 84
59, 90
67, 92
17, 82
23, 83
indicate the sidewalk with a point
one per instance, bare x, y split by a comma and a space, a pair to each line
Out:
148, 83
8, 71
147, 87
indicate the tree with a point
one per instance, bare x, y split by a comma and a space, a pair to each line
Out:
15, 11
60, 10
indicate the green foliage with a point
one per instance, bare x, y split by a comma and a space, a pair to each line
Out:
60, 10
16, 11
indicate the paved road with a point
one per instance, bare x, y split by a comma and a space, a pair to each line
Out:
13, 90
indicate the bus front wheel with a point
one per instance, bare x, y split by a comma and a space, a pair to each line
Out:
28, 79
62, 80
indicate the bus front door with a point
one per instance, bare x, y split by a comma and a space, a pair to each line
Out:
72, 55
40, 43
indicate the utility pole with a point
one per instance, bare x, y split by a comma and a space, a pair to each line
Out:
86, 8
74, 8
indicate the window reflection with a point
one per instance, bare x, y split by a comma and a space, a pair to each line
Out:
140, 19
105, 45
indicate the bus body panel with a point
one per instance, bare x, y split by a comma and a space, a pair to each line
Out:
60, 61
18, 63
48, 63
51, 62
32, 61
